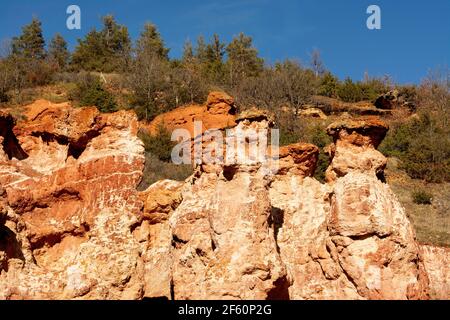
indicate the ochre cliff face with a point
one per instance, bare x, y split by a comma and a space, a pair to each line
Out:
73, 226
70, 204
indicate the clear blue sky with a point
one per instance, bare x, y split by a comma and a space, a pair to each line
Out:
415, 35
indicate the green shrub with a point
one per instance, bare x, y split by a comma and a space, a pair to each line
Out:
350, 91
89, 91
329, 85
159, 145
422, 197
4, 97
291, 130
288, 136
158, 163
423, 147
321, 139
156, 170
145, 110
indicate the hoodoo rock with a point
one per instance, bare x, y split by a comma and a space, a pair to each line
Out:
350, 239
73, 225
354, 148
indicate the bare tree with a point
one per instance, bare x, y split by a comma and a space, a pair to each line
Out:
317, 63
299, 84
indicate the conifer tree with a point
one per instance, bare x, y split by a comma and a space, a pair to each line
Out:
150, 41
106, 50
58, 51
243, 60
201, 50
31, 43
188, 52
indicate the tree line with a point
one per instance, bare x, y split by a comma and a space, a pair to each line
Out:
150, 82
158, 83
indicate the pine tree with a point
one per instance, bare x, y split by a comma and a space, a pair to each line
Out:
31, 43
215, 50
117, 40
188, 52
150, 74
191, 84
58, 51
213, 65
90, 53
150, 41
243, 60
201, 50
329, 85
106, 50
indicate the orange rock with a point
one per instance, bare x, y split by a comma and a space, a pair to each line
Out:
218, 113
364, 131
437, 266
298, 159
354, 149
74, 201
73, 225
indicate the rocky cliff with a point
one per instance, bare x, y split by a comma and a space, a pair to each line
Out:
73, 226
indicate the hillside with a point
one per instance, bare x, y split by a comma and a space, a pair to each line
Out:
130, 173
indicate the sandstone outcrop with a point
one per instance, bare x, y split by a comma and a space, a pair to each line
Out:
71, 204
393, 99
354, 148
313, 113
349, 239
335, 106
437, 266
73, 226
218, 112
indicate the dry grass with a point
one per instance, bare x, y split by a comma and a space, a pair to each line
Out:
431, 222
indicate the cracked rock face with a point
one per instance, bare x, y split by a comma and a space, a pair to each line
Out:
73, 226
70, 214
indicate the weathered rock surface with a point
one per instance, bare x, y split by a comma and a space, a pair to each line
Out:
71, 204
224, 246
73, 226
218, 112
354, 148
313, 113
350, 239
335, 106
155, 236
437, 266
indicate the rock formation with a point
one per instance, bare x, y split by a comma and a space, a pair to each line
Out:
71, 204
73, 226
335, 106
354, 148
437, 265
219, 112
392, 100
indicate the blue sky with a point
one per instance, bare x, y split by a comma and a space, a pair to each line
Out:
415, 35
